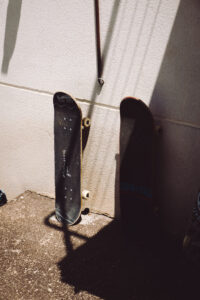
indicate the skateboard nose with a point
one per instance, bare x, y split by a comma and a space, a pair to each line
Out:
63, 99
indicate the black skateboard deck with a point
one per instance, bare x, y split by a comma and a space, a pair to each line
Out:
137, 151
68, 157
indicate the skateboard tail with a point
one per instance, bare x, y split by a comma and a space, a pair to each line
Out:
67, 218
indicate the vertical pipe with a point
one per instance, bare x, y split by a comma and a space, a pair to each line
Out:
98, 43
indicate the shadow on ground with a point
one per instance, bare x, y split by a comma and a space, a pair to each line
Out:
111, 267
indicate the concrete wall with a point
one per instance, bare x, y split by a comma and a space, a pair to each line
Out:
49, 45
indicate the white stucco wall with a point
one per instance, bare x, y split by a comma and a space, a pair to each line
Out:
48, 46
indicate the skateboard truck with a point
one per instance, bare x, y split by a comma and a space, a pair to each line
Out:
158, 129
101, 81
86, 122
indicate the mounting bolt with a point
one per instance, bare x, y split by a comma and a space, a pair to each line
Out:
101, 81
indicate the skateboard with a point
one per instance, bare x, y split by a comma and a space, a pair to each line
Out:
137, 154
68, 126
191, 241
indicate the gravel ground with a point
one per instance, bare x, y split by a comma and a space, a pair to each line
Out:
41, 259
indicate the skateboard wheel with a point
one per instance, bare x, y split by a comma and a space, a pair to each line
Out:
3, 198
186, 241
101, 81
86, 211
85, 194
86, 122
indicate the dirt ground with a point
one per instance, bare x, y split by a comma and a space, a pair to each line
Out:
42, 259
